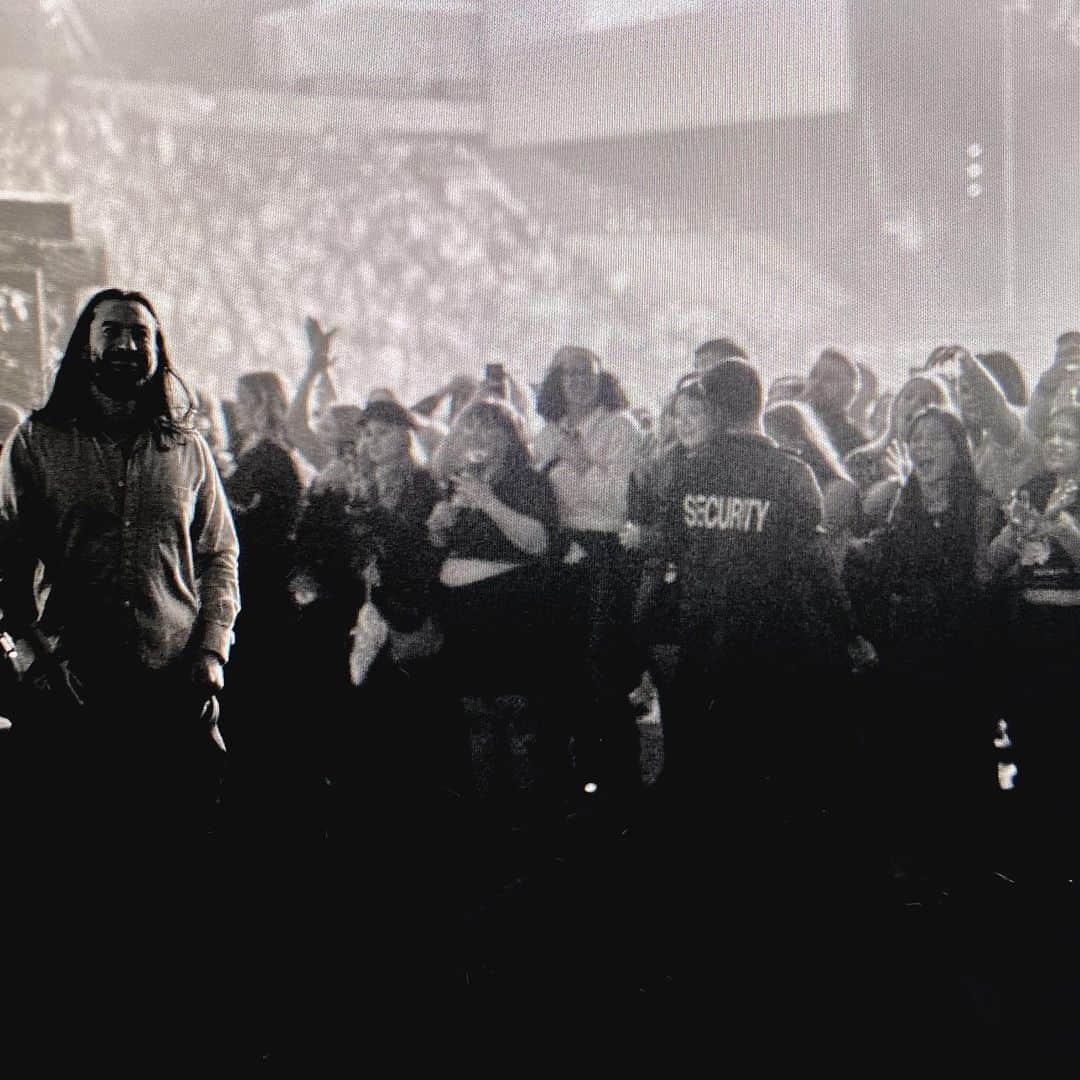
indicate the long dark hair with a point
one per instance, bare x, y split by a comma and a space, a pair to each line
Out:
872, 450
959, 524
270, 390
69, 399
550, 399
788, 421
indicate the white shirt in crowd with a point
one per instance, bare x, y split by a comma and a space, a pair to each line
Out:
596, 498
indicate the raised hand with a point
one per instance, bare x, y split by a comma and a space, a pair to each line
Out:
898, 462
1063, 497
1065, 530
320, 341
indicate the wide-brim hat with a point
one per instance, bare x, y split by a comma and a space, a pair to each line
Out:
389, 412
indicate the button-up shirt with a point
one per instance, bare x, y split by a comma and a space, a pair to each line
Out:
133, 558
594, 500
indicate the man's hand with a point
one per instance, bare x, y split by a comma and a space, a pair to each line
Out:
47, 671
208, 672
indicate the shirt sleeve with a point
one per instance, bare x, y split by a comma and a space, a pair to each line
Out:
216, 550
18, 556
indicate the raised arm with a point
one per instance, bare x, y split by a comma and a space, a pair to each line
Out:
298, 419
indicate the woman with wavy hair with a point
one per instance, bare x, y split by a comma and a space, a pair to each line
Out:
589, 448
653, 491
264, 490
362, 550
496, 528
880, 468
793, 426
265, 487
918, 584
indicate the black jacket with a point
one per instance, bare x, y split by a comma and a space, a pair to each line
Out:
744, 522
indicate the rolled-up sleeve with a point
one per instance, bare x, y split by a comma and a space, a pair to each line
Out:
216, 554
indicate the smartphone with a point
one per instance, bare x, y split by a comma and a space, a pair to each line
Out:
495, 379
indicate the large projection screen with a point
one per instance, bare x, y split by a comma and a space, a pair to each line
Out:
577, 70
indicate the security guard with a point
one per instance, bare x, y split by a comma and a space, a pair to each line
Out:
763, 622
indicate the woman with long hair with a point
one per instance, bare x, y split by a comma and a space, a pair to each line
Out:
264, 488
497, 527
880, 468
653, 491
918, 586
362, 520
793, 426
1036, 563
589, 447
362, 540
1005, 452
264, 491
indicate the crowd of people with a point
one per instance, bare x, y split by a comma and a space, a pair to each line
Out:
810, 583
418, 242
853, 607
857, 553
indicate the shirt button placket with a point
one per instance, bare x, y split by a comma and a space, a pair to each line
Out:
127, 544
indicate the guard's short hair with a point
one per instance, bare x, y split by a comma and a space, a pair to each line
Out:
733, 389
721, 348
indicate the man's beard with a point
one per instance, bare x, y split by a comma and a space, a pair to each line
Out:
120, 376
